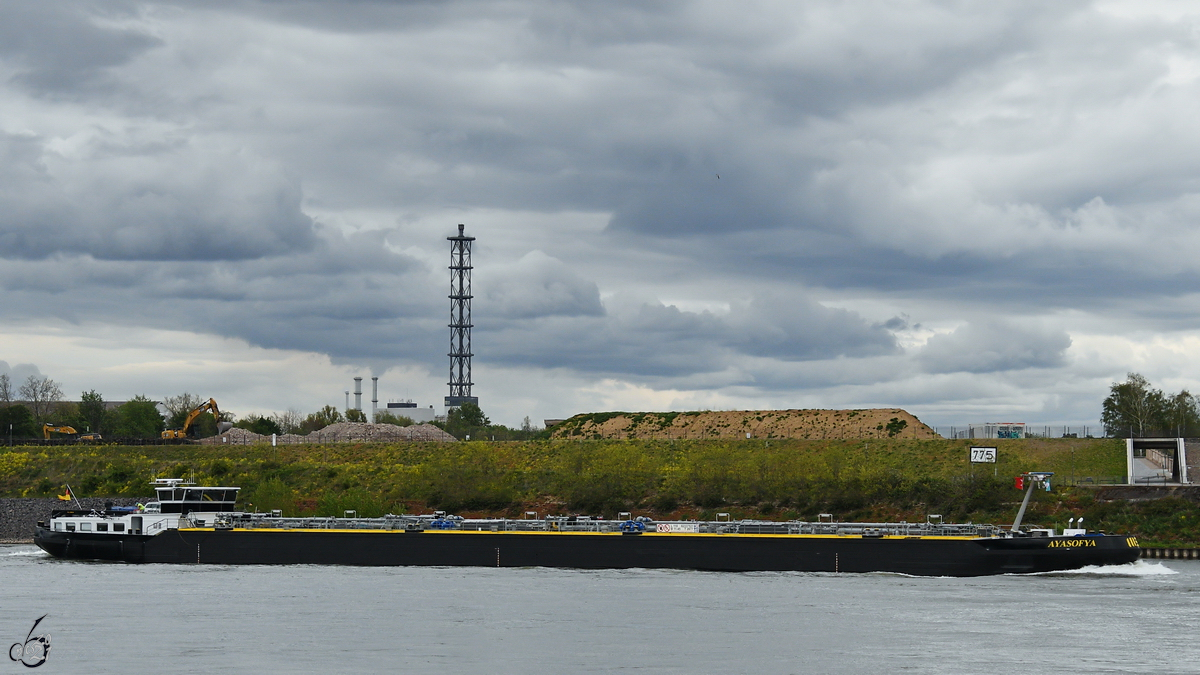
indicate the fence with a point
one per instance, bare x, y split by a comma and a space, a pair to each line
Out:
1030, 431
106, 441
1084, 481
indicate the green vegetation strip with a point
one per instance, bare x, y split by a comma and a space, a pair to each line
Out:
879, 479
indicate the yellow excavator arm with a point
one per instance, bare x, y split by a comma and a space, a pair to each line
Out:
209, 406
48, 429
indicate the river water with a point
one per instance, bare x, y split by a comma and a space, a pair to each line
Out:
117, 618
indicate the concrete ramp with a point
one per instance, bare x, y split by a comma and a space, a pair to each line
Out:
1156, 461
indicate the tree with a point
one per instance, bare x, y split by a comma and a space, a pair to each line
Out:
264, 426
288, 421
470, 415
65, 413
1132, 407
21, 420
181, 406
320, 419
91, 410
389, 418
178, 408
6, 389
205, 425
139, 418
466, 420
1180, 414
40, 393
354, 415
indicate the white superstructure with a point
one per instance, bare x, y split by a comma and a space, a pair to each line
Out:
179, 502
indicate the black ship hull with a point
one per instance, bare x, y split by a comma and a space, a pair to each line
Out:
922, 556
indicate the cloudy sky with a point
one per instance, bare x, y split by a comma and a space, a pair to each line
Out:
974, 211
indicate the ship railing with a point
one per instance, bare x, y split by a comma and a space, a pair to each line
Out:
901, 529
576, 524
548, 525
266, 521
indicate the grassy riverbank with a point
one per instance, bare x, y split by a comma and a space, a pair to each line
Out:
879, 479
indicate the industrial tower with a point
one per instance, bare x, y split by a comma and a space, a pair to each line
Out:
460, 321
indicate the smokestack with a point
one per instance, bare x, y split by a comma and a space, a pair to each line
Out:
374, 398
358, 394
347, 399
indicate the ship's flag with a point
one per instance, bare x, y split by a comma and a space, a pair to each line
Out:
67, 497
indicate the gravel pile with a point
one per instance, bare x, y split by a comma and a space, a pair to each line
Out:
358, 431
335, 433
237, 436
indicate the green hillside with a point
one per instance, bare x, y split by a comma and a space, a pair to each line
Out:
883, 479
781, 478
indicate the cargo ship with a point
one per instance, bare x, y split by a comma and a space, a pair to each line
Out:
191, 524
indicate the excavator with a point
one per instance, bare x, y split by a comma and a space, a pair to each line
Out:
48, 429
187, 430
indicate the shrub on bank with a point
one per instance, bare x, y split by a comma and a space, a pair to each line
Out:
784, 478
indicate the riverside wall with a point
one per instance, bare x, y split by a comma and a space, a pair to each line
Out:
19, 517
1146, 493
1171, 553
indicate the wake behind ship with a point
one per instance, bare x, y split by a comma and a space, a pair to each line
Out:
190, 524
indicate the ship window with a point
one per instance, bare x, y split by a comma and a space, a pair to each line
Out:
118, 527
192, 496
164, 495
178, 494
70, 527
85, 527
58, 527
102, 527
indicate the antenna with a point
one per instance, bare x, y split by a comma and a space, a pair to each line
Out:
460, 320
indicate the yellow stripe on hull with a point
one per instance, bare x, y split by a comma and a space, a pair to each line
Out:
592, 534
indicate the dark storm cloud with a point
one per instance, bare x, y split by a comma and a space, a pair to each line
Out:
59, 49
643, 341
348, 297
994, 346
637, 113
538, 286
797, 329
635, 110
654, 340
236, 168
136, 202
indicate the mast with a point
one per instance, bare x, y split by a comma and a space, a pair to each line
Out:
460, 320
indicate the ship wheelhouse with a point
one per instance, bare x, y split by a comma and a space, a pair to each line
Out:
176, 496
176, 499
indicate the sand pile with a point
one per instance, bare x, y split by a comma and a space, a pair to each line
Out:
335, 433
812, 424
